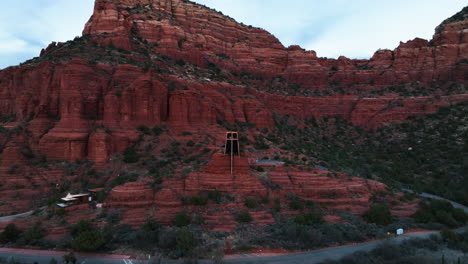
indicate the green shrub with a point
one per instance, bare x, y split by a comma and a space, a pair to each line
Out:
276, 205
258, 168
186, 241
296, 203
265, 199
260, 144
309, 219
150, 225
157, 130
91, 172
190, 143
423, 215
441, 212
167, 238
198, 200
250, 203
449, 235
88, 241
244, 217
130, 155
60, 212
144, 129
13, 169
215, 196
379, 214
460, 215
69, 258
180, 63
81, 227
33, 234
10, 234
181, 219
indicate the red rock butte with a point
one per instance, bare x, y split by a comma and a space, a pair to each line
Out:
69, 99
180, 65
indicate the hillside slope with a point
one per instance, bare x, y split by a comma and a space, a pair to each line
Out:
148, 91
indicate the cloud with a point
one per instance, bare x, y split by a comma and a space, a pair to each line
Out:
354, 28
13, 45
27, 26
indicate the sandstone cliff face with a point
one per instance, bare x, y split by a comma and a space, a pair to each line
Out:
177, 64
71, 100
186, 30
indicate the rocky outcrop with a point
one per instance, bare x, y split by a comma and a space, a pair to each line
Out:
216, 175
333, 190
132, 195
186, 30
90, 111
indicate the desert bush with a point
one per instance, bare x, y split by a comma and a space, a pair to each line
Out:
144, 129
181, 219
243, 217
10, 234
379, 214
215, 196
186, 241
167, 238
69, 258
441, 212
250, 203
309, 219
81, 227
33, 234
296, 203
88, 241
157, 130
130, 155
198, 200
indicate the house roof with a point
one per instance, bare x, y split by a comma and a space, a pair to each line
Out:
73, 197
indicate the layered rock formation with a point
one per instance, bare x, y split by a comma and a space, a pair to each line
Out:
216, 175
180, 65
186, 30
72, 99
337, 191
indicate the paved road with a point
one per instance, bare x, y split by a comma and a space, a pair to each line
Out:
44, 257
13, 217
455, 204
310, 257
317, 256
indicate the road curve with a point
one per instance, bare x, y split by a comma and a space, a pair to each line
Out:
8, 218
309, 257
317, 256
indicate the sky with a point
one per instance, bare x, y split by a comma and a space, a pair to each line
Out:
352, 28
